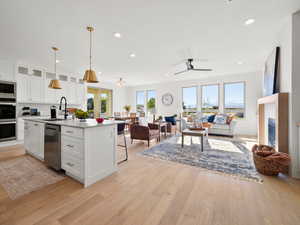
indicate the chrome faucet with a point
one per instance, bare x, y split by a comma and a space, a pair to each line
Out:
61, 99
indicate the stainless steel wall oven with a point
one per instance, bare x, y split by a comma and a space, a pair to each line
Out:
7, 111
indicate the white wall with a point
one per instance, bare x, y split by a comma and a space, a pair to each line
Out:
247, 126
295, 94
289, 41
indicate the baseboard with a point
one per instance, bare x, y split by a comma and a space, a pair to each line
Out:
11, 143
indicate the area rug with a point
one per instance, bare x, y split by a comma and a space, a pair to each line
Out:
220, 155
25, 174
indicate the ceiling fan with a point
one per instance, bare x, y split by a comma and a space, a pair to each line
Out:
190, 66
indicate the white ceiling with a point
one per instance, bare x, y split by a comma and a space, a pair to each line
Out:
160, 33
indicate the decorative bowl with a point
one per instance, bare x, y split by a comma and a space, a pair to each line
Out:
99, 120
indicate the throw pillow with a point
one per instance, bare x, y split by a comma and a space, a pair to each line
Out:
229, 119
204, 119
211, 118
220, 119
170, 119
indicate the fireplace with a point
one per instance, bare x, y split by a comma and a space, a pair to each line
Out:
272, 132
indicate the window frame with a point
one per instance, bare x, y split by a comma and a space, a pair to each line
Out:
245, 105
219, 96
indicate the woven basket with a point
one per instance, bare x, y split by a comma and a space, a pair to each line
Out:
270, 165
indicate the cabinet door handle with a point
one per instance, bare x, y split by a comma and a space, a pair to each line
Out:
70, 164
71, 146
69, 132
35, 124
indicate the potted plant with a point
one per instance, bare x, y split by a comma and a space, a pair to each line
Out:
127, 108
82, 115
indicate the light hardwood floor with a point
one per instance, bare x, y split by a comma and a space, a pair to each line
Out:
146, 191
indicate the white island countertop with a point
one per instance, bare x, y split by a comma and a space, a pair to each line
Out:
89, 123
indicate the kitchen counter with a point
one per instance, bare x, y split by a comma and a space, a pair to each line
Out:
87, 149
90, 123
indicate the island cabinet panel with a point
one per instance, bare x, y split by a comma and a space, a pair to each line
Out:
100, 153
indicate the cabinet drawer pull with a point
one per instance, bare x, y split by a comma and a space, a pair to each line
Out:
71, 146
36, 124
69, 132
70, 164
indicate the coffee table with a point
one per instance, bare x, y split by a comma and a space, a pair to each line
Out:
194, 133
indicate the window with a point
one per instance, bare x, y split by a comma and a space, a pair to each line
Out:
189, 100
234, 99
99, 102
146, 102
151, 102
210, 99
140, 101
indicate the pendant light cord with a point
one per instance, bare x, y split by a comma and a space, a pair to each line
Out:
55, 62
90, 50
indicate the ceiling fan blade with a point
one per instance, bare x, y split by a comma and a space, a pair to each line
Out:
204, 70
177, 73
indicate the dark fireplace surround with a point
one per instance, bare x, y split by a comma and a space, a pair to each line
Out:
272, 132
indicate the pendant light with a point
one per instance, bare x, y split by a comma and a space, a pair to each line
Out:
90, 75
120, 82
55, 84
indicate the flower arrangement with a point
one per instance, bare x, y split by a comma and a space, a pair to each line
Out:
127, 108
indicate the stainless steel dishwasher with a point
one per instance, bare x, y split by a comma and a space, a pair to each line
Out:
52, 152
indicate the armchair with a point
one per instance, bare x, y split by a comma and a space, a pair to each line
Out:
138, 132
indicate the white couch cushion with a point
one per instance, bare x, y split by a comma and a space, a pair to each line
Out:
221, 126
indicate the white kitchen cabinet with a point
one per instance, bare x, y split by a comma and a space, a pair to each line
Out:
51, 95
80, 94
30, 85
23, 88
20, 129
34, 138
36, 89
85, 158
6, 71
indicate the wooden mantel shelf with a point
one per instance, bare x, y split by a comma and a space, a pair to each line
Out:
281, 104
273, 98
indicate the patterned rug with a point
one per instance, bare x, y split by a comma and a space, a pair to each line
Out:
25, 174
220, 155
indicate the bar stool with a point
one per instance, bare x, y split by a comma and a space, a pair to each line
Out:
121, 131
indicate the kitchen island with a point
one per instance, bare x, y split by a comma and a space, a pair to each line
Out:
87, 149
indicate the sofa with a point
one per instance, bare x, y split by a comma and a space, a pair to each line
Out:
219, 124
222, 129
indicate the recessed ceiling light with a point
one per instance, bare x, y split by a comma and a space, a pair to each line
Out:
240, 63
117, 35
57, 61
100, 72
249, 21
132, 55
